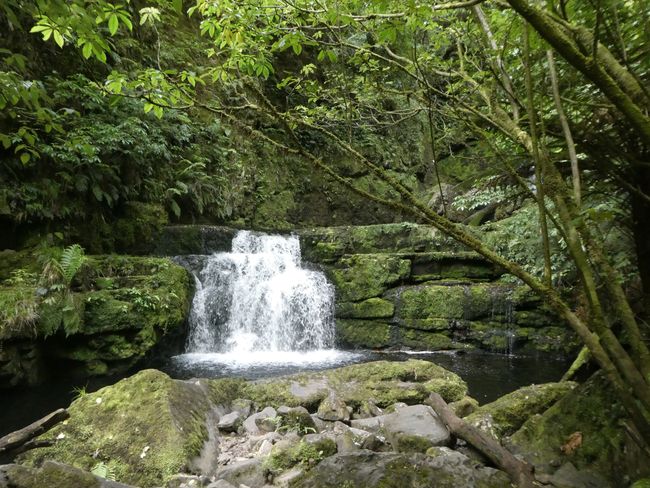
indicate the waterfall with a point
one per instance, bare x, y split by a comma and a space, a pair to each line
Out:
259, 299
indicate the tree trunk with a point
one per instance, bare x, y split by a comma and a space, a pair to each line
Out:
520, 472
15, 440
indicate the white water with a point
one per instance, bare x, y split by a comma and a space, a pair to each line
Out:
258, 305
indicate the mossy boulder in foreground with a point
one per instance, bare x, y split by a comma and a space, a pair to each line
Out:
145, 429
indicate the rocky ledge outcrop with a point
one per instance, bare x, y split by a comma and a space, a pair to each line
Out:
114, 312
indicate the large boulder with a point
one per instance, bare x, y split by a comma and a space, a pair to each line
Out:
585, 427
368, 469
505, 415
409, 429
145, 429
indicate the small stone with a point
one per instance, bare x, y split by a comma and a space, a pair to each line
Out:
221, 484
250, 424
243, 406
333, 408
230, 422
285, 479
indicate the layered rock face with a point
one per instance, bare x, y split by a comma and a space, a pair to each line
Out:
409, 286
114, 313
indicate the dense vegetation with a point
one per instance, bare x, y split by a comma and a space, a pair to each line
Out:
144, 111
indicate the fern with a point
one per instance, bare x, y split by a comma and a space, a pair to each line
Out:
72, 259
103, 470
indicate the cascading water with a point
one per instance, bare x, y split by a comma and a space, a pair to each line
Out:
257, 305
259, 298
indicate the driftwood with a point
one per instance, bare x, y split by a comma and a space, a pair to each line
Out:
21, 440
520, 472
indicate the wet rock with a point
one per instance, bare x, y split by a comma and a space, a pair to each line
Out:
230, 422
367, 469
410, 429
251, 425
250, 472
333, 409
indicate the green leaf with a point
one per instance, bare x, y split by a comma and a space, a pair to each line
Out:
58, 38
25, 157
178, 6
87, 50
113, 23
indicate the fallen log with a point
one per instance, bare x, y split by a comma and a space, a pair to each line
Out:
21, 438
520, 472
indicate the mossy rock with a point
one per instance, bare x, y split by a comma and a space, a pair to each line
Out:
426, 341
145, 428
330, 243
54, 475
367, 469
428, 301
386, 382
372, 308
364, 276
430, 324
363, 333
452, 265
505, 415
592, 409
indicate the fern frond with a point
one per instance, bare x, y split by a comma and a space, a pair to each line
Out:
72, 259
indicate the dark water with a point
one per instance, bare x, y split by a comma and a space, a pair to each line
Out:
488, 376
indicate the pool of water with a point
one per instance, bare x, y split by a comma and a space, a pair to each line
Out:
488, 375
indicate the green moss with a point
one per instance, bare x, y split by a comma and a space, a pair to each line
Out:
411, 443
363, 276
224, 390
592, 409
372, 308
51, 474
426, 301
147, 427
433, 323
362, 333
275, 212
506, 414
303, 453
424, 340
386, 382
